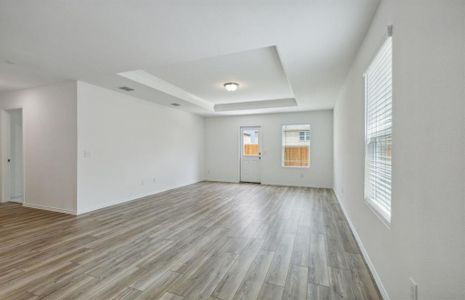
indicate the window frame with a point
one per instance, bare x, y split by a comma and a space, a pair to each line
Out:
374, 205
306, 137
309, 145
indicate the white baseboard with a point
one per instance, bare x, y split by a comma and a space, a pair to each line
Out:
368, 261
270, 184
296, 185
50, 208
221, 181
17, 200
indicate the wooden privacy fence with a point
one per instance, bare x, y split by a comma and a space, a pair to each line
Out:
296, 156
251, 149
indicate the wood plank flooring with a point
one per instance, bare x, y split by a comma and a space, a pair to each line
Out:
203, 241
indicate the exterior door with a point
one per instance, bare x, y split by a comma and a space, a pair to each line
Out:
16, 156
11, 156
5, 156
250, 154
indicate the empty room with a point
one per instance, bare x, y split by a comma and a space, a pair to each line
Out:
208, 149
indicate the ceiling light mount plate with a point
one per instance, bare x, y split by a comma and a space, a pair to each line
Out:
231, 86
126, 88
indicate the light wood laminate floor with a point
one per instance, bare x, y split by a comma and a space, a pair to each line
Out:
203, 241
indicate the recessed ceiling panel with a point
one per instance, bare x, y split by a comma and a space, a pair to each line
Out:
258, 72
151, 81
235, 106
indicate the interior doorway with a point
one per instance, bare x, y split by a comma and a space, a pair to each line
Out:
12, 161
250, 154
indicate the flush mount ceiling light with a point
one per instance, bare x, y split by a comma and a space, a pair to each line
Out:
231, 86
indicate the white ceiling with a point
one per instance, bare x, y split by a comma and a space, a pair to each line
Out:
14, 76
192, 45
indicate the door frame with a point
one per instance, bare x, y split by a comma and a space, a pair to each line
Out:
260, 143
5, 143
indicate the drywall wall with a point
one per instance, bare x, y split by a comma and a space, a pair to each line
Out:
129, 148
222, 148
425, 240
50, 144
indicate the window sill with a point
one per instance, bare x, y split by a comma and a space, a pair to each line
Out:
378, 214
295, 167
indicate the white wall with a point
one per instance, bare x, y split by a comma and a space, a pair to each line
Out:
50, 135
426, 238
222, 148
124, 143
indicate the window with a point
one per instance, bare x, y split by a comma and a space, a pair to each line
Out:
378, 131
304, 135
296, 145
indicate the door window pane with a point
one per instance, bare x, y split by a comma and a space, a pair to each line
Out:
250, 146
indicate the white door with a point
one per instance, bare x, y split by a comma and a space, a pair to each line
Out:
16, 156
5, 155
11, 156
250, 154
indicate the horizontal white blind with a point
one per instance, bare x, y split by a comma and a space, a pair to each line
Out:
378, 130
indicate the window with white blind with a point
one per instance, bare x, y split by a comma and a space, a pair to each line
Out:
378, 131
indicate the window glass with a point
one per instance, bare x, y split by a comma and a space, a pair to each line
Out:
378, 131
296, 145
250, 146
